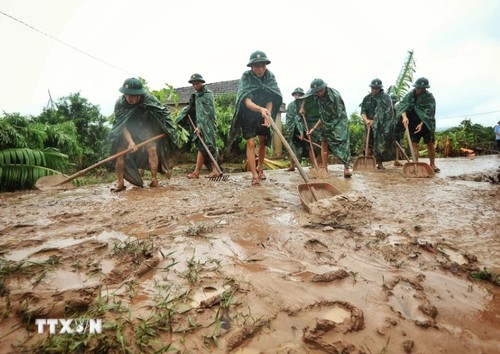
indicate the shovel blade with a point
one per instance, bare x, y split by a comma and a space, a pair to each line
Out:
321, 190
364, 163
53, 182
417, 170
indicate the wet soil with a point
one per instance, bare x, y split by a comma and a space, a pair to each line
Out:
204, 266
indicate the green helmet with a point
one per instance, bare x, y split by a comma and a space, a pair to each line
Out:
196, 77
421, 83
317, 85
376, 83
298, 90
132, 86
258, 57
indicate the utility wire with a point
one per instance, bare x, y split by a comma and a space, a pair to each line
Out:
64, 43
468, 115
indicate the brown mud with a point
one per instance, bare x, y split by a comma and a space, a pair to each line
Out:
226, 267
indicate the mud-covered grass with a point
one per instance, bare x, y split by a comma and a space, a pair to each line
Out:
395, 265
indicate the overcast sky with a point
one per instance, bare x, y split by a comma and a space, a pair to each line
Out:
346, 43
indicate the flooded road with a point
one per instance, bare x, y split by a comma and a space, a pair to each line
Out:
204, 266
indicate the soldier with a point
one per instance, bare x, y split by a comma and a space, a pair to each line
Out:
201, 109
377, 113
258, 100
418, 110
333, 120
139, 116
294, 127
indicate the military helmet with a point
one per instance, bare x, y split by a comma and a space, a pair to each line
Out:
317, 85
132, 86
196, 77
258, 57
421, 83
298, 90
376, 83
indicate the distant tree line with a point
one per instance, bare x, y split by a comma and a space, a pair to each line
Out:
73, 134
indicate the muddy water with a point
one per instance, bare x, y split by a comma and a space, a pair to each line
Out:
384, 267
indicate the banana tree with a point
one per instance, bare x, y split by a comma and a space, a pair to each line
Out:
20, 168
405, 78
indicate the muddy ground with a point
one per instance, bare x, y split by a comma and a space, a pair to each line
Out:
200, 266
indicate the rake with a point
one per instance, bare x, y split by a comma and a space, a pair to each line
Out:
220, 176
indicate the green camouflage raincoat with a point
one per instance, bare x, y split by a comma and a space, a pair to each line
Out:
144, 120
379, 109
294, 126
335, 124
201, 109
423, 105
261, 91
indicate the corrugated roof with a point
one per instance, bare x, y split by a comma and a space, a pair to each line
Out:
218, 88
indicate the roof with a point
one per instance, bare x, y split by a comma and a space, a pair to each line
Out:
218, 88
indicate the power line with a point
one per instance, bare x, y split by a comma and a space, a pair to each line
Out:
468, 115
64, 43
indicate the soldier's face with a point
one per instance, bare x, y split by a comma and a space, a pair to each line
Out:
197, 85
321, 93
259, 69
375, 91
133, 99
419, 91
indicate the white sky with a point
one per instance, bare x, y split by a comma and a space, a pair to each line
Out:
346, 43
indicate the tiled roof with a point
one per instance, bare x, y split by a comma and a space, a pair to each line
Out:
218, 88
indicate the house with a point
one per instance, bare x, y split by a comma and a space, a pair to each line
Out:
219, 88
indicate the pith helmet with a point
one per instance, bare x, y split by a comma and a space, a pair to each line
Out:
132, 86
376, 83
258, 57
196, 77
317, 85
298, 90
421, 83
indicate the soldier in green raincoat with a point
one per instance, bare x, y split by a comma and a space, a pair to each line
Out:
294, 127
332, 120
139, 116
258, 100
201, 110
417, 110
377, 112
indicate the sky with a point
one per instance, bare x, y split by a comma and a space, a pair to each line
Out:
91, 46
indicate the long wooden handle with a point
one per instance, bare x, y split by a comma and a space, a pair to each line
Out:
294, 158
314, 163
219, 171
410, 143
368, 127
315, 144
402, 151
111, 158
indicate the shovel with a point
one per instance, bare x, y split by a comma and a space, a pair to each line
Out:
416, 169
365, 163
220, 176
317, 172
308, 192
57, 181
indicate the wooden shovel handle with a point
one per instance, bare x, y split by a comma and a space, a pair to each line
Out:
219, 171
111, 158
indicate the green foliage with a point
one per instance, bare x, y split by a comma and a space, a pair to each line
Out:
224, 108
467, 136
21, 168
88, 143
356, 133
405, 78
